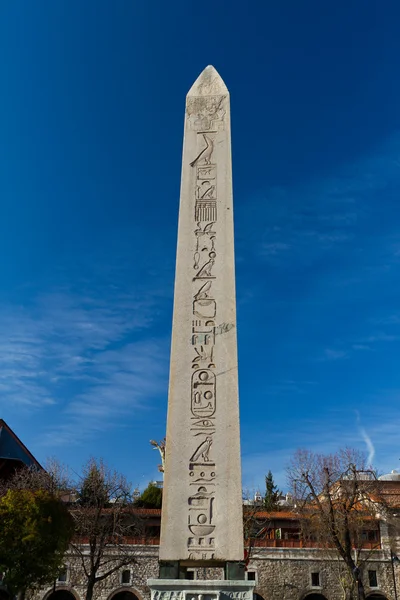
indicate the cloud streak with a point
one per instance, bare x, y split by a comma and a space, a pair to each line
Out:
88, 357
367, 440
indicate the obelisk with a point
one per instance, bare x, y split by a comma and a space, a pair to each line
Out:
202, 497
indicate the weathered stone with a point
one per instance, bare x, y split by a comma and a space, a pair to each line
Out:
179, 589
279, 573
202, 498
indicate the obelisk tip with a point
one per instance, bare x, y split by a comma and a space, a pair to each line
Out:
208, 83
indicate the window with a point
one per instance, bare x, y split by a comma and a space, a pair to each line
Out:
315, 580
372, 578
63, 575
369, 535
251, 575
190, 574
126, 576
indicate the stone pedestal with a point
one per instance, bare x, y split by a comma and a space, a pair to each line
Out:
187, 589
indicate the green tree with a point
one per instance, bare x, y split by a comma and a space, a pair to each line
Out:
104, 518
35, 532
272, 494
150, 498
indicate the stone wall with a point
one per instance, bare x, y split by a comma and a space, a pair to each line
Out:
283, 574
145, 567
280, 574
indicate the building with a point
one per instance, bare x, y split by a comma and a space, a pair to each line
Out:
283, 564
13, 453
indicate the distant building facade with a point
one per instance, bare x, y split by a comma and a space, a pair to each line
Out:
283, 565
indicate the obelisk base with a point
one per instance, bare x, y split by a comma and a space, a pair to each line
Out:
201, 589
175, 569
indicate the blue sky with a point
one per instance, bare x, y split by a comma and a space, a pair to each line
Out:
92, 108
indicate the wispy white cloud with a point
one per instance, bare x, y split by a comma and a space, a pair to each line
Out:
391, 319
333, 354
326, 213
346, 348
360, 347
274, 248
382, 336
367, 440
85, 354
280, 446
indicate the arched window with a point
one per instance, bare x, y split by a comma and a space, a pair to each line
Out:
61, 595
314, 596
125, 595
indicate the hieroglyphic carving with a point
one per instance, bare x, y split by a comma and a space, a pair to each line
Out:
203, 358
205, 113
204, 306
202, 467
209, 87
206, 190
205, 237
166, 595
238, 595
204, 157
201, 512
208, 596
203, 393
206, 268
203, 335
206, 185
201, 454
199, 552
207, 172
204, 474
205, 210
206, 181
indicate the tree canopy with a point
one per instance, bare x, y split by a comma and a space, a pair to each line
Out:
35, 532
150, 498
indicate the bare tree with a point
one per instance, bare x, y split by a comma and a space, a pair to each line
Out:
104, 521
255, 524
54, 479
337, 498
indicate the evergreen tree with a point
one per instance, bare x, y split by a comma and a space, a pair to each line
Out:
272, 494
94, 490
151, 497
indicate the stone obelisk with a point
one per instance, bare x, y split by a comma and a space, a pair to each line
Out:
202, 498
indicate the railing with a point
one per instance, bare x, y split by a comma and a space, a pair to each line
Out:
134, 541
142, 541
304, 544
155, 541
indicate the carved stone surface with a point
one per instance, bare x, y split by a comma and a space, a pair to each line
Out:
202, 501
183, 589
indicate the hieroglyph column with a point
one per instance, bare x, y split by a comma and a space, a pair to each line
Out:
202, 499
